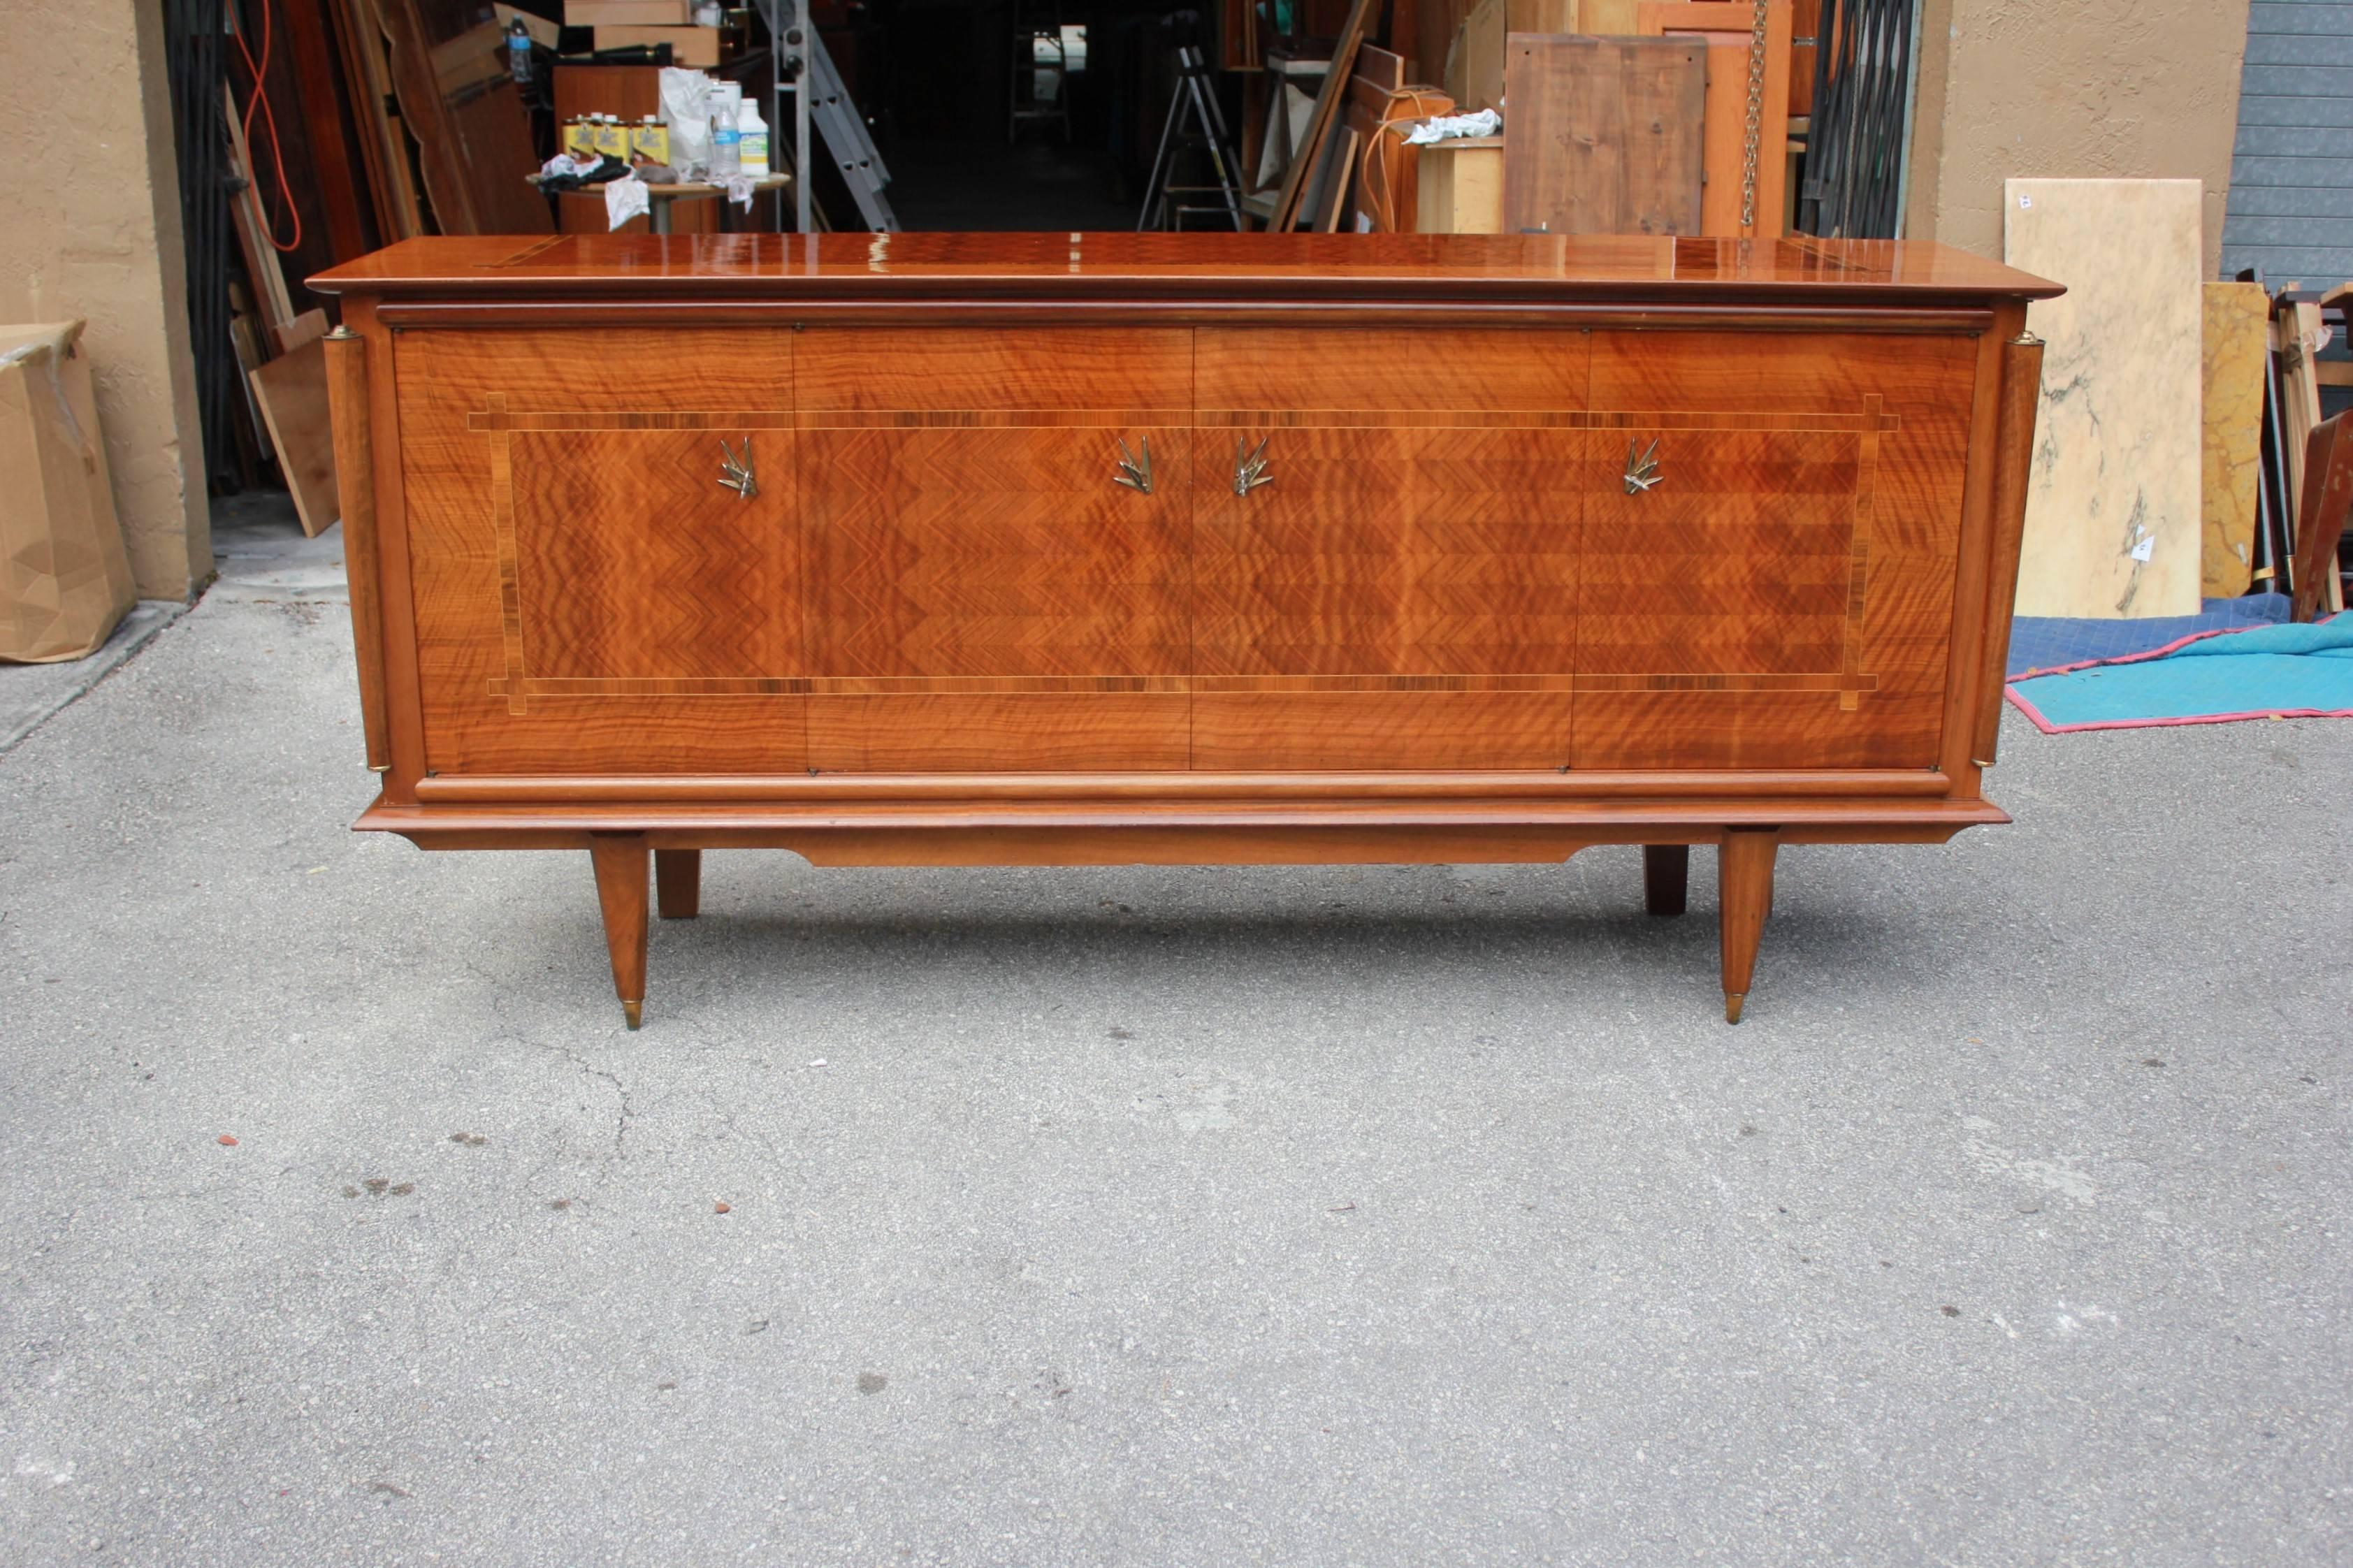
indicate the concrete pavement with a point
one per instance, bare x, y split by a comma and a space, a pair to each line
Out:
1172, 1218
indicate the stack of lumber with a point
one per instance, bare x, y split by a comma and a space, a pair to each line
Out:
282, 353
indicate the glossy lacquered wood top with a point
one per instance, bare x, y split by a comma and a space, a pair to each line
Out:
1254, 266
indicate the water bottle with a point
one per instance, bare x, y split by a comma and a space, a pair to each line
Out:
519, 53
726, 145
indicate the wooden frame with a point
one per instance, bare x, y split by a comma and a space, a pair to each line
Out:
1287, 339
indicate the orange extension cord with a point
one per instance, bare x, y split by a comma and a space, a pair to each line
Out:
1378, 202
260, 101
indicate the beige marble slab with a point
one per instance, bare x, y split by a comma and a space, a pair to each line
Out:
2113, 509
2236, 342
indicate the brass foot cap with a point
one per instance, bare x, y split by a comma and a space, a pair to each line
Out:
1732, 1004
635, 1012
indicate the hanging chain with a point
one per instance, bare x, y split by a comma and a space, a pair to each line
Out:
1755, 122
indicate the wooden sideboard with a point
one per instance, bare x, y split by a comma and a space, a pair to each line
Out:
1110, 549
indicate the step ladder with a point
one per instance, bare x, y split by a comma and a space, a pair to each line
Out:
805, 71
1195, 121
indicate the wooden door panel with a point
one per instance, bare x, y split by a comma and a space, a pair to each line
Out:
993, 554
1783, 597
537, 466
1738, 562
993, 598
679, 579
1392, 598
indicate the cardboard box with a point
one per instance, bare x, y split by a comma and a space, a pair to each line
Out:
694, 46
65, 579
627, 13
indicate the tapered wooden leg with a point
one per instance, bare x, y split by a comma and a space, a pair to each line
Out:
1744, 892
621, 862
1666, 877
678, 883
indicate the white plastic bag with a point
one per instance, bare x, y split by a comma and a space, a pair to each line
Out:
686, 110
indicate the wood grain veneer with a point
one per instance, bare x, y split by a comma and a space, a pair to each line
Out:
1445, 547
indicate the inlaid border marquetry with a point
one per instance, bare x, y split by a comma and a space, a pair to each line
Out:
497, 423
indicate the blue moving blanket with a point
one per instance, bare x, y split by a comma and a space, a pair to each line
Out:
2208, 677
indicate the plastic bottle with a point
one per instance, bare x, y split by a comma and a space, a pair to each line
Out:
726, 145
752, 145
519, 53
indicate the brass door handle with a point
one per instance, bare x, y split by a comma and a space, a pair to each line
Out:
1249, 466
736, 473
1642, 466
1136, 473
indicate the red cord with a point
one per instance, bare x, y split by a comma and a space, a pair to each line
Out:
260, 101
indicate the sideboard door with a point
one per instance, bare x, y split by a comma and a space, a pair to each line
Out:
1384, 548
604, 550
996, 526
1772, 525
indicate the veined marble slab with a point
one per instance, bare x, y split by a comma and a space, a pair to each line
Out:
2236, 342
2113, 509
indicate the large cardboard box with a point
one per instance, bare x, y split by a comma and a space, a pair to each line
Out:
65, 579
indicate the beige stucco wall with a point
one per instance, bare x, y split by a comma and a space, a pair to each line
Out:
2070, 90
93, 230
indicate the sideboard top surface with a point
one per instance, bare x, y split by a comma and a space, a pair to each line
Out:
1245, 267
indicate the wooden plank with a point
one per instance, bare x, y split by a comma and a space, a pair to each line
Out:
355, 40
1614, 18
1729, 29
291, 392
1474, 64
302, 329
1328, 98
1604, 135
271, 301
471, 151
1381, 68
2113, 508
2234, 344
1542, 16
384, 141
313, 54
1337, 178
2320, 521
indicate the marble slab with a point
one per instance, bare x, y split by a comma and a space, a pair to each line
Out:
2113, 510
2236, 342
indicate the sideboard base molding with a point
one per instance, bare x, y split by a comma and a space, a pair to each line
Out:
624, 843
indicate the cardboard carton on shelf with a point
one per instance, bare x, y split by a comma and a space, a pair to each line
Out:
698, 47
67, 579
627, 13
